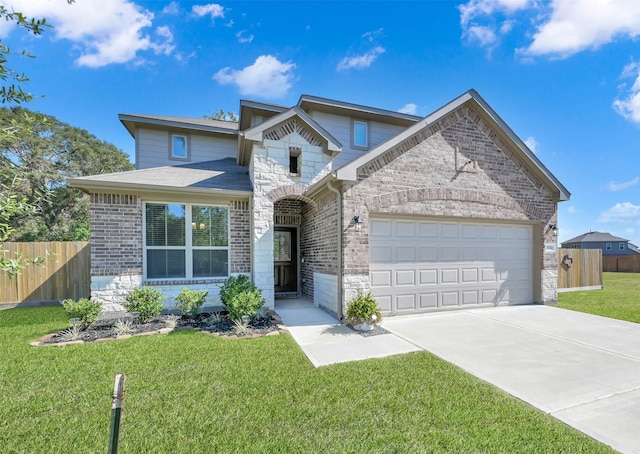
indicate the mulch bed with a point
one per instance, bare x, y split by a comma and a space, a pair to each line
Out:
106, 329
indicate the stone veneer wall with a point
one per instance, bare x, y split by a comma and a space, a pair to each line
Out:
319, 247
117, 249
272, 181
419, 176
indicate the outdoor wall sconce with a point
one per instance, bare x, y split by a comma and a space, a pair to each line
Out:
552, 228
357, 220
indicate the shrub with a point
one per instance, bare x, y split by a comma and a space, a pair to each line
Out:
363, 309
147, 301
86, 310
247, 302
190, 301
233, 286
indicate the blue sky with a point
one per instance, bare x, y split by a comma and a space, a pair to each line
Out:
564, 74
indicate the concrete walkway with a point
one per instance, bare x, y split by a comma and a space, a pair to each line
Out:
581, 369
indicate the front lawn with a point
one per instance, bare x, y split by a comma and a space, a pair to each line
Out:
620, 298
189, 392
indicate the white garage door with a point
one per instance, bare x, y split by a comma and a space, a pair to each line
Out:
424, 265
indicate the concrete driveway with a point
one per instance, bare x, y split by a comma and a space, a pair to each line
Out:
582, 369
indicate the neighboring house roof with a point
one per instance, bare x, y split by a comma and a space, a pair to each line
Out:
349, 171
633, 247
594, 237
199, 124
223, 176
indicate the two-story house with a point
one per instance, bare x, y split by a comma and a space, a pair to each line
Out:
609, 244
325, 199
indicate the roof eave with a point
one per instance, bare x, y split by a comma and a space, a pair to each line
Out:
92, 186
131, 121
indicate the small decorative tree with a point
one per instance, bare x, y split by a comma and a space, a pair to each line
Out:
363, 312
147, 301
189, 301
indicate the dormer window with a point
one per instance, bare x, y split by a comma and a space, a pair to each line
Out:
360, 134
179, 147
294, 160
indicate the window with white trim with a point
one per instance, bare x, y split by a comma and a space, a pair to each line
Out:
360, 136
608, 246
186, 241
621, 246
179, 146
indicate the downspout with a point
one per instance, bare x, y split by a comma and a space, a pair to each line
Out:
340, 283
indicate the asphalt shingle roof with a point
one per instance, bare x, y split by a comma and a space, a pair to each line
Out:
222, 174
594, 237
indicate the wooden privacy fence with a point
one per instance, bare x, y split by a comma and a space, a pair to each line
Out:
64, 274
579, 269
622, 264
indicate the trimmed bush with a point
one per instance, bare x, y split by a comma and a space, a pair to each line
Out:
247, 302
235, 285
363, 309
189, 302
85, 309
147, 301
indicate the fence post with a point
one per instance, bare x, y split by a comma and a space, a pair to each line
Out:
116, 413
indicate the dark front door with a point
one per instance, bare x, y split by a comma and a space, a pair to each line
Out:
285, 259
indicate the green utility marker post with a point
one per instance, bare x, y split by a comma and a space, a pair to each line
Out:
116, 413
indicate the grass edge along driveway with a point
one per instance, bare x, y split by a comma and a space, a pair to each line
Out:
188, 392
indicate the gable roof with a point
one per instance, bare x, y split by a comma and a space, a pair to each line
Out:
160, 121
349, 171
221, 176
257, 132
594, 237
309, 103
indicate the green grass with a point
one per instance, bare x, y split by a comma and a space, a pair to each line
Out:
188, 392
620, 298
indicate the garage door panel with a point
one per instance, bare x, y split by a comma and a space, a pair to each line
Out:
449, 276
469, 298
449, 253
449, 299
469, 275
405, 228
405, 277
428, 277
429, 300
384, 303
380, 254
404, 254
406, 302
424, 265
381, 278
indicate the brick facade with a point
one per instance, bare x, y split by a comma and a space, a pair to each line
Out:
116, 235
457, 167
319, 241
240, 237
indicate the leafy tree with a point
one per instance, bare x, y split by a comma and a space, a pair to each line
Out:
222, 115
42, 152
11, 89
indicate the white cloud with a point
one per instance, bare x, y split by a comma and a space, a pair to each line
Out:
112, 33
267, 77
629, 105
242, 38
482, 34
478, 19
576, 25
572, 210
360, 61
372, 35
409, 108
172, 8
212, 9
532, 143
614, 186
625, 212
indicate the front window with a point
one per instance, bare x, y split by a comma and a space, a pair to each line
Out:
184, 241
360, 134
